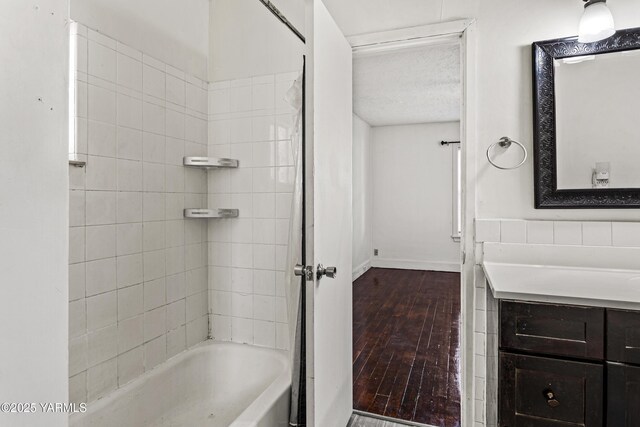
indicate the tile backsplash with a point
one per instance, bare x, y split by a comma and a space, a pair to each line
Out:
138, 270
586, 233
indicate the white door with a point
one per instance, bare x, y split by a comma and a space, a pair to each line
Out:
329, 327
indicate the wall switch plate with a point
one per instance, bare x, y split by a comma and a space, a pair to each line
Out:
375, 252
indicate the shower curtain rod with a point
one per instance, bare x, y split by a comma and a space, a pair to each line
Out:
273, 9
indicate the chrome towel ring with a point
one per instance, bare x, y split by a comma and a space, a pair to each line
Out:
505, 142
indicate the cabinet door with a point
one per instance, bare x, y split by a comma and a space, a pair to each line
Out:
623, 336
552, 329
545, 392
623, 395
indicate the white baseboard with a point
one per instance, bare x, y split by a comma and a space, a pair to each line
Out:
360, 269
411, 264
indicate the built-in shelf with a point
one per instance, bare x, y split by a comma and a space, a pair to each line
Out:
211, 213
210, 162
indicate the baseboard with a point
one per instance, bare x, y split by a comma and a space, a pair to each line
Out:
411, 264
360, 269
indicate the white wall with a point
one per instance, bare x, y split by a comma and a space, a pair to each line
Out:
33, 208
247, 40
412, 180
505, 31
175, 32
505, 104
362, 197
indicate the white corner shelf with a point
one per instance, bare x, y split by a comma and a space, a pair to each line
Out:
210, 162
211, 213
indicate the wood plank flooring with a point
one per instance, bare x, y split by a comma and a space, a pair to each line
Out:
406, 333
358, 420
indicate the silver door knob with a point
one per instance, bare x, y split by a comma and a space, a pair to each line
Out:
305, 271
330, 272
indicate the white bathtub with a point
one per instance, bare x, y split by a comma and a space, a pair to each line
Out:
213, 385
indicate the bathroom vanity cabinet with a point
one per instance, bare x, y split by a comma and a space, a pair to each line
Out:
562, 365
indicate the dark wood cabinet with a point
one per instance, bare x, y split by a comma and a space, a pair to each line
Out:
623, 395
568, 366
539, 391
555, 330
623, 336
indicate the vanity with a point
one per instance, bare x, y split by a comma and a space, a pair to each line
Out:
568, 323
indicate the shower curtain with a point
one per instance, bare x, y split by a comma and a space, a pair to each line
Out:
294, 284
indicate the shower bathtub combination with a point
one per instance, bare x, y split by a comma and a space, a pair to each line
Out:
213, 384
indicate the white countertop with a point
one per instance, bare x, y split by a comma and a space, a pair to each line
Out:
592, 276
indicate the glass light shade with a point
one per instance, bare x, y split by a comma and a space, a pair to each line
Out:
596, 23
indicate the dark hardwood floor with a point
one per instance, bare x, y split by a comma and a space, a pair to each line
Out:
406, 333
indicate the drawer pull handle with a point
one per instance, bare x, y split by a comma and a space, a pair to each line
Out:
551, 398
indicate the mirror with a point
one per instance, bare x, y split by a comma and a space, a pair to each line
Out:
587, 127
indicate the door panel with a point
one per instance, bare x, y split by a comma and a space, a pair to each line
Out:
330, 394
623, 395
546, 392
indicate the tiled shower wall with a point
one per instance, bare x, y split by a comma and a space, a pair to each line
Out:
250, 121
138, 275
584, 233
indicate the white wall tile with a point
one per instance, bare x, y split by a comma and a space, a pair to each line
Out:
101, 104
103, 345
102, 61
101, 173
567, 233
100, 207
143, 293
102, 379
101, 139
129, 143
130, 333
130, 302
176, 341
101, 276
596, 234
102, 311
540, 232
129, 112
176, 90
487, 230
513, 231
130, 365
129, 238
153, 81
129, 72
155, 352
101, 242
626, 234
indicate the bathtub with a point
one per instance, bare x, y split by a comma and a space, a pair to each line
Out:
213, 384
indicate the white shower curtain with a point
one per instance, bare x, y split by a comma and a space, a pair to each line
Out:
293, 283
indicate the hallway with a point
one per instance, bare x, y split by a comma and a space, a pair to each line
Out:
406, 359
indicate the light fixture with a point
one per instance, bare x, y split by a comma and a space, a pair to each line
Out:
596, 23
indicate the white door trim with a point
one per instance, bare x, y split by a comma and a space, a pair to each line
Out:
464, 33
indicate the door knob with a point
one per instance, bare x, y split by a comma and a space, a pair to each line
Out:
305, 271
330, 272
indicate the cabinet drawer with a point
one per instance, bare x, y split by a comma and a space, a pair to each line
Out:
545, 392
623, 395
623, 336
552, 329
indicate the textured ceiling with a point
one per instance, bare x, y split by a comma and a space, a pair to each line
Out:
418, 85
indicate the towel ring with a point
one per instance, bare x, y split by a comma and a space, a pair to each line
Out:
505, 142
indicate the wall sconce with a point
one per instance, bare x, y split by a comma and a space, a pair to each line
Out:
596, 23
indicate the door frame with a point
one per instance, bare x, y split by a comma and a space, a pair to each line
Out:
465, 32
